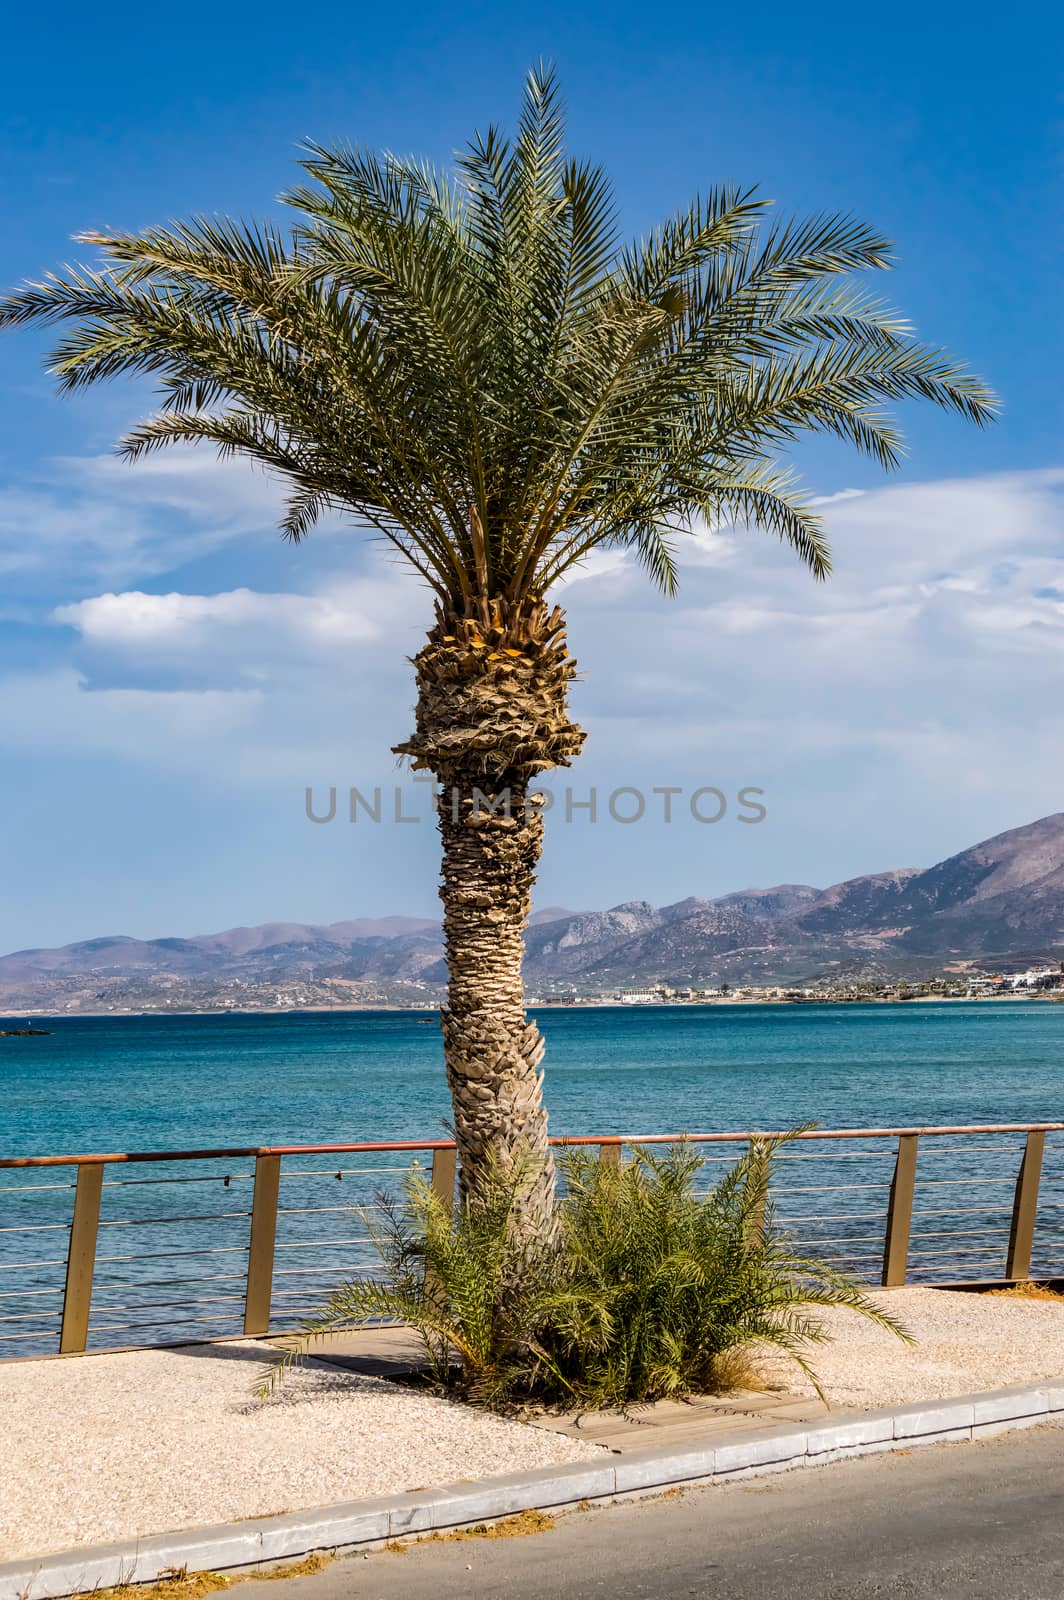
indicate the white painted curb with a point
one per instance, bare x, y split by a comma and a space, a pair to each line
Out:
371, 1522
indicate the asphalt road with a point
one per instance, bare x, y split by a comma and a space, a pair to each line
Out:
950, 1522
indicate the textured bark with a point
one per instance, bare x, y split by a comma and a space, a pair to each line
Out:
491, 713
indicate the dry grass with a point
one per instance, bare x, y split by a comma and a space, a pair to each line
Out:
180, 1584
734, 1369
294, 1569
1027, 1291
518, 1526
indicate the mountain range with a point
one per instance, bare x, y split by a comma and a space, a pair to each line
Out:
997, 903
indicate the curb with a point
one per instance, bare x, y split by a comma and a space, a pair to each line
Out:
364, 1523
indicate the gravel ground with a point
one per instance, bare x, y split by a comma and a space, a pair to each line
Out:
966, 1343
104, 1447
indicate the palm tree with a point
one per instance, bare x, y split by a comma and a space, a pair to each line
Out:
472, 365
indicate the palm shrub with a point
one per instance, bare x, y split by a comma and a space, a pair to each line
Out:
647, 1289
471, 1284
475, 366
682, 1278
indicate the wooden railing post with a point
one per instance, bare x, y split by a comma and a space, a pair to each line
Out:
444, 1171
261, 1244
444, 1174
900, 1212
1025, 1208
81, 1258
611, 1154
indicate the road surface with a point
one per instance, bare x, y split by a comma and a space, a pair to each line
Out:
949, 1522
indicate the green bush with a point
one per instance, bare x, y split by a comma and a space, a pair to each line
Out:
652, 1289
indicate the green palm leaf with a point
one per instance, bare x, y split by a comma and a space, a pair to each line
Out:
440, 354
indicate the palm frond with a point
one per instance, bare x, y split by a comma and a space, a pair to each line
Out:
472, 363
653, 1282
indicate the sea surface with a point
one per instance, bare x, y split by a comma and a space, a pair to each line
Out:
173, 1243
172, 1082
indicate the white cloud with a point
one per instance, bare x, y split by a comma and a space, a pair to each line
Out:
98, 519
597, 564
946, 611
314, 729
835, 499
56, 711
916, 680
134, 620
348, 630
934, 585
187, 479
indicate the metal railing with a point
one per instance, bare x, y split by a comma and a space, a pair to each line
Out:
112, 1250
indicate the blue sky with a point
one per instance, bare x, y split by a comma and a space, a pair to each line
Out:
172, 676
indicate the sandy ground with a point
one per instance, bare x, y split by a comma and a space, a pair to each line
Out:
104, 1447
966, 1343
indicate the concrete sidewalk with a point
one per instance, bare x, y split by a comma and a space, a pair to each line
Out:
392, 1352
370, 1523
194, 1473
974, 1522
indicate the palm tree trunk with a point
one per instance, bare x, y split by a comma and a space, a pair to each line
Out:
491, 714
493, 1052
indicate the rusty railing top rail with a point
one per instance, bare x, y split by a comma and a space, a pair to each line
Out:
414, 1145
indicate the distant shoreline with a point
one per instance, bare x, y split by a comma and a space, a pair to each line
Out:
540, 1005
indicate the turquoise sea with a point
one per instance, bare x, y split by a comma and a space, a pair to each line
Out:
173, 1238
129, 1083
